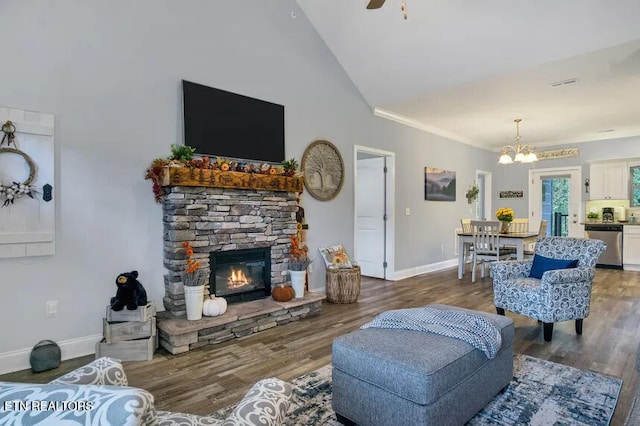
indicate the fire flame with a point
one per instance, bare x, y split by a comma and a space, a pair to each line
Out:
237, 279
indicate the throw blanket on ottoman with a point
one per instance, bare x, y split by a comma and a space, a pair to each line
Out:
469, 327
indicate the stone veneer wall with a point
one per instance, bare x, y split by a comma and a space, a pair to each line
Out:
217, 219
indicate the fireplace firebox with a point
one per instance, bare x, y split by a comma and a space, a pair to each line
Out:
241, 275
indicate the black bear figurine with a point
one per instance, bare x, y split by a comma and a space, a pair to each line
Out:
130, 292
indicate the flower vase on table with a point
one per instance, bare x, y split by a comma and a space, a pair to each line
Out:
505, 216
193, 279
504, 227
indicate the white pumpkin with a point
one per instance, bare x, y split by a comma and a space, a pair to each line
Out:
214, 306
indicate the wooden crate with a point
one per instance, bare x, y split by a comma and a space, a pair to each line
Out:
128, 330
128, 350
142, 314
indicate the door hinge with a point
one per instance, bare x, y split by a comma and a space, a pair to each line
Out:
385, 169
384, 264
385, 217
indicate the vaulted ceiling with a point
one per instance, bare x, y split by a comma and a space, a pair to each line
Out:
466, 69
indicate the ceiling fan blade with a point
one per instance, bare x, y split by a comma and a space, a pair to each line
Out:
375, 4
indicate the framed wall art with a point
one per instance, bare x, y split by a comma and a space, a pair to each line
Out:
323, 170
439, 184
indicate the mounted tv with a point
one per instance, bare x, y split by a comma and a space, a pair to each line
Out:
218, 123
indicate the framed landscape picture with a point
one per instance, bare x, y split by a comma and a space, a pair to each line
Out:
439, 184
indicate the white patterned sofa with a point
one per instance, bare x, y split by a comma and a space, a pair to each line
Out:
97, 394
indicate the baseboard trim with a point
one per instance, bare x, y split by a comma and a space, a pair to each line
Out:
69, 349
419, 270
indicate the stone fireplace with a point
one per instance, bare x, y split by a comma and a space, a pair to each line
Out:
235, 222
226, 220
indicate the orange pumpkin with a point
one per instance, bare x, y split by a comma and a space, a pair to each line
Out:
282, 293
224, 167
273, 171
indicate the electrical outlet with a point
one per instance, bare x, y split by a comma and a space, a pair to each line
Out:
52, 309
407, 211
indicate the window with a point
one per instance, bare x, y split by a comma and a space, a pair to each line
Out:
635, 186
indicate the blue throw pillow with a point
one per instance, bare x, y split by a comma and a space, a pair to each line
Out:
543, 264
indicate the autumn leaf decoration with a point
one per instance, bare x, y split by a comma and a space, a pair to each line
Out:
298, 255
192, 275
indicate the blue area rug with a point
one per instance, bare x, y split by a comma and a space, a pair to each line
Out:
541, 393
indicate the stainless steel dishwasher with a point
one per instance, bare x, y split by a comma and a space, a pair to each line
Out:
612, 235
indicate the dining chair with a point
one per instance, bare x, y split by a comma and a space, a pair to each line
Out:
542, 232
486, 245
466, 226
516, 226
519, 226
467, 248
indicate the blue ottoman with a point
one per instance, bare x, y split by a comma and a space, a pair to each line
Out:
401, 377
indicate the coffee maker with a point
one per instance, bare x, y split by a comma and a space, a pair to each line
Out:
607, 214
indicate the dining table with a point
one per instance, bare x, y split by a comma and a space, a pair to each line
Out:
512, 239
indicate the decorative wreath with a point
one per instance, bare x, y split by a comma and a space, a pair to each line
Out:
18, 190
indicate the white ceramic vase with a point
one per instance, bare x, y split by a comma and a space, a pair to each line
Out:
297, 282
194, 299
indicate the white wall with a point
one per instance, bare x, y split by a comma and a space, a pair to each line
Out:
110, 72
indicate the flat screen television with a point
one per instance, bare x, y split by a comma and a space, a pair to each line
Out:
218, 123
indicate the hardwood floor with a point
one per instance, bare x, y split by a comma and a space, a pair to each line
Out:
212, 377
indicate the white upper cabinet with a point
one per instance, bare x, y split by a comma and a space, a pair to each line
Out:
609, 181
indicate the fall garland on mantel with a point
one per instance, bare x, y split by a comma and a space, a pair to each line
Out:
181, 169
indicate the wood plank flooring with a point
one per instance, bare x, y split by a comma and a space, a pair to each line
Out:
212, 377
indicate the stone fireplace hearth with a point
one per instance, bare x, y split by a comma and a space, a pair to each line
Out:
221, 220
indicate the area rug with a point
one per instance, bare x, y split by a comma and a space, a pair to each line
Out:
541, 393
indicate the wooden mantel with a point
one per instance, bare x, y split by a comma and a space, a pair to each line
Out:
185, 176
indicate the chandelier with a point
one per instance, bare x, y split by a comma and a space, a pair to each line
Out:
521, 153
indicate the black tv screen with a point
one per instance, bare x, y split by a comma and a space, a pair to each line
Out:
218, 123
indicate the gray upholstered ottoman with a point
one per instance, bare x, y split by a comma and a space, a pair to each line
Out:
401, 377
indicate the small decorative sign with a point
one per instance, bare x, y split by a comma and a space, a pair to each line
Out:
557, 153
511, 194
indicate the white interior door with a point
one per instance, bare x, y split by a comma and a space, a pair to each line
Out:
370, 219
574, 174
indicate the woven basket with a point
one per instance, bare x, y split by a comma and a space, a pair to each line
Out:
343, 285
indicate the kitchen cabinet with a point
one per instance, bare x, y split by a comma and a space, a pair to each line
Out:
631, 247
609, 181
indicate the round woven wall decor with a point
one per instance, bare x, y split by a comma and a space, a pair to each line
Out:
323, 170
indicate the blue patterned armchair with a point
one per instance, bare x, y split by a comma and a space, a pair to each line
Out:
560, 295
